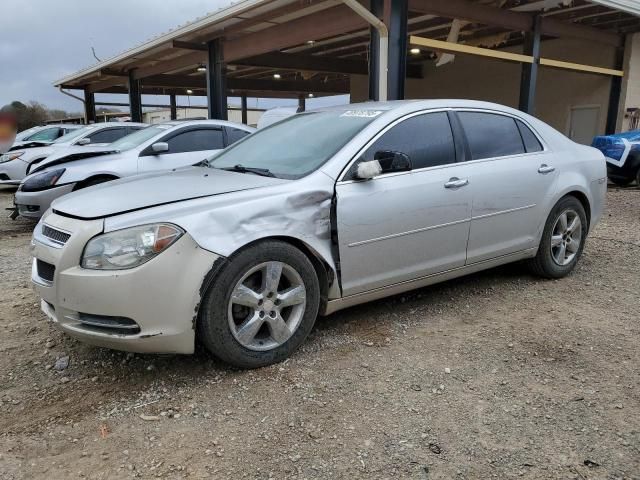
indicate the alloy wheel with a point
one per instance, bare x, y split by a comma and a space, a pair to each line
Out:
266, 306
566, 237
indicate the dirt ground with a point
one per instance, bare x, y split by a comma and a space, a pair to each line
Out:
498, 375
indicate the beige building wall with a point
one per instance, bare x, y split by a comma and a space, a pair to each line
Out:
235, 115
481, 78
630, 98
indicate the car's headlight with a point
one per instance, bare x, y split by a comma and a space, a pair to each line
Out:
7, 157
42, 181
130, 247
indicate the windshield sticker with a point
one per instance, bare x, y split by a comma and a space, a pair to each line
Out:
362, 113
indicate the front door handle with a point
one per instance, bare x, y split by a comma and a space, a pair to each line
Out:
544, 169
456, 182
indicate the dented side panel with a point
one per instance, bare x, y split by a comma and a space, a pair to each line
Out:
224, 224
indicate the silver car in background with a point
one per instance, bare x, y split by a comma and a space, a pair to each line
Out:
43, 133
158, 147
18, 162
321, 211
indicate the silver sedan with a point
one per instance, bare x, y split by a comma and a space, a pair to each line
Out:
321, 211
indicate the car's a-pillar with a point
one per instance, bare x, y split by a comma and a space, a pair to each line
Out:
216, 80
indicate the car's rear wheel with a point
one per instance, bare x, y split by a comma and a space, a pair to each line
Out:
261, 306
562, 240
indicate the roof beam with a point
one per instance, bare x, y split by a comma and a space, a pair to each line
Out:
177, 63
189, 45
312, 63
325, 24
300, 86
558, 28
510, 20
473, 12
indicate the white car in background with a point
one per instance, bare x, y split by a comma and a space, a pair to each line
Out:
159, 147
43, 133
17, 163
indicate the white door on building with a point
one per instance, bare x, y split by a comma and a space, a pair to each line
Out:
583, 123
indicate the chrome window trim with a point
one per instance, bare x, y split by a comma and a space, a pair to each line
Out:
343, 181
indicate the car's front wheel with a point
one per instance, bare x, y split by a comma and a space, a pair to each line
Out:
260, 306
562, 240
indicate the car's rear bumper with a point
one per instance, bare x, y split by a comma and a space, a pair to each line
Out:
34, 204
151, 308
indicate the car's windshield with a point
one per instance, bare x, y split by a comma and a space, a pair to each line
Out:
295, 146
24, 135
138, 138
74, 134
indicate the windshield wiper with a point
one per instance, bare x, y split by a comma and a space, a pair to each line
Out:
258, 171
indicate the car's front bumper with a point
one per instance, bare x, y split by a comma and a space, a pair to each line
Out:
34, 204
157, 301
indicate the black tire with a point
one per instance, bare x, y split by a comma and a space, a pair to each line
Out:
621, 182
638, 177
543, 264
213, 327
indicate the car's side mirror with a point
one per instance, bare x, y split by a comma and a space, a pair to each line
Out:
392, 162
160, 147
385, 161
84, 141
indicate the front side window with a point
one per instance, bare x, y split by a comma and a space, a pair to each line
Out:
73, 134
196, 141
235, 134
108, 135
298, 145
427, 139
491, 135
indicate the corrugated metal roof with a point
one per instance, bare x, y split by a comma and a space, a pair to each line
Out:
629, 6
200, 23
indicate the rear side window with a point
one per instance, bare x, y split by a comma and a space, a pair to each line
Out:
235, 134
531, 142
196, 140
108, 135
427, 139
491, 135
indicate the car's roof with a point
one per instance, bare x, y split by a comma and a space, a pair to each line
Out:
61, 125
117, 124
418, 105
182, 123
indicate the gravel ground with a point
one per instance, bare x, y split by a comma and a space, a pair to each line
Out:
498, 375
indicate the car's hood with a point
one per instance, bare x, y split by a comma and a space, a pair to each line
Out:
28, 144
143, 191
72, 154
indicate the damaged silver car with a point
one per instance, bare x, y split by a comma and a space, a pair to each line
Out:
321, 211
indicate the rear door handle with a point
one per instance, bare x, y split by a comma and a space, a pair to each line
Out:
544, 169
456, 182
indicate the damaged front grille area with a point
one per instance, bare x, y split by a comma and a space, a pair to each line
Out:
54, 235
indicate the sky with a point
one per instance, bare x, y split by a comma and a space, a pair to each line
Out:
42, 41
